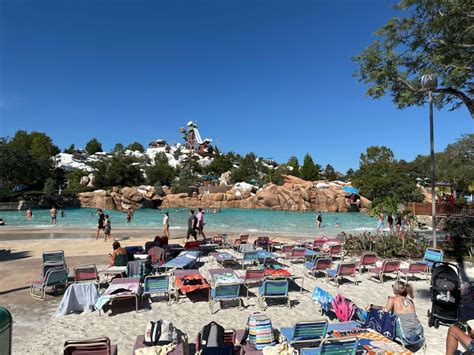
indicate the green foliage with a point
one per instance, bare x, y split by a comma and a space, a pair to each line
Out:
49, 188
93, 146
70, 150
310, 171
384, 206
117, 171
350, 174
136, 146
221, 163
432, 37
19, 166
118, 149
183, 183
330, 173
74, 178
275, 176
386, 246
37, 144
295, 165
248, 169
161, 173
381, 176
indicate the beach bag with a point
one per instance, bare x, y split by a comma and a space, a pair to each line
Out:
259, 332
159, 333
343, 308
382, 322
212, 335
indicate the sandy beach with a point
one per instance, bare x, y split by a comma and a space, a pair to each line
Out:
38, 331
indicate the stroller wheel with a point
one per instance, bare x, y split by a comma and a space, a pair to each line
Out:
430, 322
436, 323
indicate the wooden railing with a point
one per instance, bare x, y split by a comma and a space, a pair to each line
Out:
451, 210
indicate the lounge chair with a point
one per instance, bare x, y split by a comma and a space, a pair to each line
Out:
286, 249
99, 346
335, 251
367, 259
415, 268
6, 325
305, 334
253, 276
54, 277
431, 256
54, 256
157, 257
234, 244
319, 242
317, 266
343, 345
185, 259
296, 254
224, 292
156, 285
192, 245
86, 273
262, 242
273, 288
223, 257
255, 257
342, 270
185, 286
388, 267
218, 240
136, 268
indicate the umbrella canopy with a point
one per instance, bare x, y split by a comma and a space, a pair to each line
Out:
350, 189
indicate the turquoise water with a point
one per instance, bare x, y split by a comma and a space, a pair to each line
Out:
252, 221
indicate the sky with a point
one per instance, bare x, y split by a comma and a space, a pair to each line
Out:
273, 77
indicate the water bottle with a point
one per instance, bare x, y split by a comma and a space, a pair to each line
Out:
449, 296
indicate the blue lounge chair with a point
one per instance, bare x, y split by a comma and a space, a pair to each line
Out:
273, 288
185, 260
53, 277
56, 256
224, 292
333, 346
305, 333
156, 285
431, 256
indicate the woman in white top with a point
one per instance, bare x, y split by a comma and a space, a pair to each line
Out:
166, 224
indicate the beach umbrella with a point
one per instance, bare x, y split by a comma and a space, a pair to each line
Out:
350, 189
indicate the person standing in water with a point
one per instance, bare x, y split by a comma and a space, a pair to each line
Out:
166, 224
54, 215
100, 222
319, 219
29, 214
129, 214
63, 214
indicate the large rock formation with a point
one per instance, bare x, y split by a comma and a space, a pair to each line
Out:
294, 195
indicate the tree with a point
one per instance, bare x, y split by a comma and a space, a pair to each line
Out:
330, 173
118, 149
433, 37
381, 176
37, 144
295, 166
93, 146
161, 173
118, 171
136, 146
49, 188
220, 164
70, 150
350, 174
248, 169
309, 171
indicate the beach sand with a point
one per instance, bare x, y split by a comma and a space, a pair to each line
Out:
38, 331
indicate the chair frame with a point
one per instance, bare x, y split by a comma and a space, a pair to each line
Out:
111, 349
338, 275
91, 266
407, 272
298, 250
213, 300
54, 260
45, 280
293, 342
248, 281
312, 273
361, 265
262, 297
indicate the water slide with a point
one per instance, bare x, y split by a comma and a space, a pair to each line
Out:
197, 135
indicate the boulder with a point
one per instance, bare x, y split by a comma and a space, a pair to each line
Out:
267, 199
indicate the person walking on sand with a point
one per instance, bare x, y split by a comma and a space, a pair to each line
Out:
200, 223
107, 227
29, 214
54, 215
166, 224
100, 222
319, 219
192, 225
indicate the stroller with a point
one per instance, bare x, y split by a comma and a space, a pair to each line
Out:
445, 294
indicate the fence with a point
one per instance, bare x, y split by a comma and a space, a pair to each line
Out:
447, 210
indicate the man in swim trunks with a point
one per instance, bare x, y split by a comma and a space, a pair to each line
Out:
100, 222
319, 219
54, 214
192, 225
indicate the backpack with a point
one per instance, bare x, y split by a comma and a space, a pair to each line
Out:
159, 333
212, 335
343, 308
259, 331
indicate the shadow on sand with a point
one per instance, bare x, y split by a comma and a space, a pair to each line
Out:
7, 255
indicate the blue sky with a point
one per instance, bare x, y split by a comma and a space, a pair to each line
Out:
273, 77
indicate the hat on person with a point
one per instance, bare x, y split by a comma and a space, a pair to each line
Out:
470, 323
